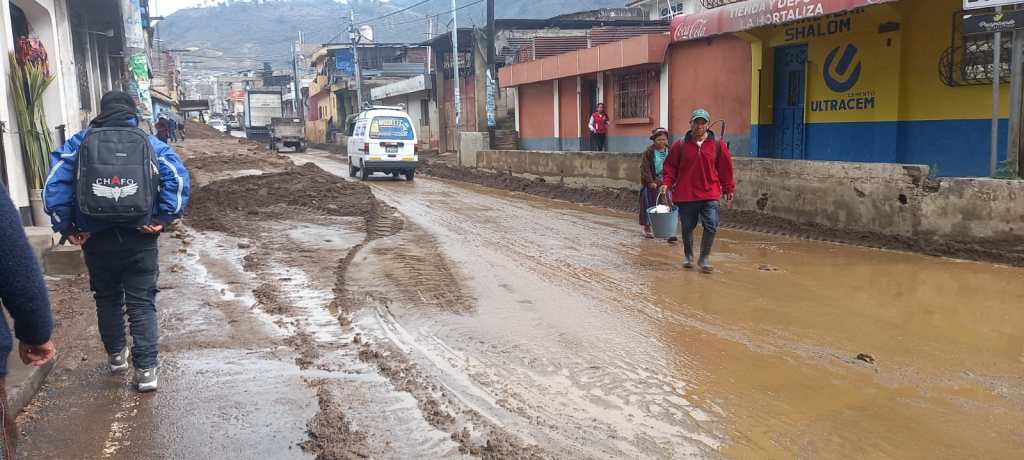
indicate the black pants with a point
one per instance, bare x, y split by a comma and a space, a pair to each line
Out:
125, 282
599, 142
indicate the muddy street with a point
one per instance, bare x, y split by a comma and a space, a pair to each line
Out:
306, 315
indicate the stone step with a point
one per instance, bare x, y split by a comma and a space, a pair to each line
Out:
41, 239
64, 261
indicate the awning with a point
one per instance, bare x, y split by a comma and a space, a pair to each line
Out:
636, 51
751, 14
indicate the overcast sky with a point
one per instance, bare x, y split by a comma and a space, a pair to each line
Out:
167, 7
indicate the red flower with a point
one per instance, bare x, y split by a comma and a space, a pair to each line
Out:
31, 52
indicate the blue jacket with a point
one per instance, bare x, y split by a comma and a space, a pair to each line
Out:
22, 290
59, 191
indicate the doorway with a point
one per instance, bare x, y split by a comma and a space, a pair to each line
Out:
789, 98
588, 103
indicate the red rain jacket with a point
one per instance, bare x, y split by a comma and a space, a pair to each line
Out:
693, 174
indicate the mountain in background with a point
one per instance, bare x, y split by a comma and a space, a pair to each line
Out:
242, 35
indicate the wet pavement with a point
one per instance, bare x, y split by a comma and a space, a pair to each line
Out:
588, 340
489, 324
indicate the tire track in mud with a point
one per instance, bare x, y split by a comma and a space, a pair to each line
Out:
418, 273
243, 206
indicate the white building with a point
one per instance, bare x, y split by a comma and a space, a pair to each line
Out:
49, 21
415, 95
85, 42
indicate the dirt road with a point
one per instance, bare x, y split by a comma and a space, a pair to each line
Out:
302, 319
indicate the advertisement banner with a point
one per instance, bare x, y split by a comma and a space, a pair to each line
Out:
751, 14
344, 63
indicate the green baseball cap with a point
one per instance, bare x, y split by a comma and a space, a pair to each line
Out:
700, 113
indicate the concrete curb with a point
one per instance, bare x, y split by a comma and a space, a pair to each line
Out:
18, 396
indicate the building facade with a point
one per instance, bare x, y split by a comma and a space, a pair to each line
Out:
892, 81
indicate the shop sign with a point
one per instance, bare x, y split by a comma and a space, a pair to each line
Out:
978, 4
987, 23
750, 14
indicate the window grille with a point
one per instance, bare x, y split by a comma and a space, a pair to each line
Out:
968, 60
631, 96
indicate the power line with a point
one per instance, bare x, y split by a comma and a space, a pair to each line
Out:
435, 15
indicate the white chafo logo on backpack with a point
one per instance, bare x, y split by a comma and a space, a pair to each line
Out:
115, 188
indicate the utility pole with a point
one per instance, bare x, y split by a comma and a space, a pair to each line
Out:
1016, 83
455, 72
430, 49
295, 79
492, 73
997, 74
354, 36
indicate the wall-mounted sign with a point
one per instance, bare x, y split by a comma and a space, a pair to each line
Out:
751, 14
987, 23
977, 4
465, 65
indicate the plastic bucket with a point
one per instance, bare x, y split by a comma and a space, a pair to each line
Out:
663, 224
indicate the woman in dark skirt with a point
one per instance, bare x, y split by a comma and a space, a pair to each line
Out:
650, 174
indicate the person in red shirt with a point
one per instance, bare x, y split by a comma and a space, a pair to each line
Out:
698, 171
599, 129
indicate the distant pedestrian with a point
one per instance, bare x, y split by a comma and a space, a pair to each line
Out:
698, 172
599, 129
172, 128
23, 293
651, 169
115, 208
163, 130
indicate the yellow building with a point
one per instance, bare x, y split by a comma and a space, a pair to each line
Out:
865, 80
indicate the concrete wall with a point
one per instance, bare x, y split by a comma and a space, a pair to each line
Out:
878, 197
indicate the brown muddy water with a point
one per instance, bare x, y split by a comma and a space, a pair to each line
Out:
591, 342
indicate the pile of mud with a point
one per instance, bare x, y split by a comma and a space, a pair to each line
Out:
1004, 252
227, 205
252, 158
196, 130
613, 198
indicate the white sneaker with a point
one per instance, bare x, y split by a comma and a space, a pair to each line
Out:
145, 379
119, 361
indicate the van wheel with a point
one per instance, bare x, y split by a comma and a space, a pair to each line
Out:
395, 175
364, 174
410, 175
351, 170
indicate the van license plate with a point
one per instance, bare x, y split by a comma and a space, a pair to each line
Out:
391, 149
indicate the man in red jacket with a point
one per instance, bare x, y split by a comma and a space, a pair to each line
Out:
599, 129
698, 170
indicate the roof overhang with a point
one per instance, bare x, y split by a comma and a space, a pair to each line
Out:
640, 50
751, 14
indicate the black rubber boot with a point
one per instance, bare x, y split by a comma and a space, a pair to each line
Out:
706, 242
688, 250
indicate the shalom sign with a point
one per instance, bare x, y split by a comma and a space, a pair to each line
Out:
751, 14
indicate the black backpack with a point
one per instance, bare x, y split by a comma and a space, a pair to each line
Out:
117, 179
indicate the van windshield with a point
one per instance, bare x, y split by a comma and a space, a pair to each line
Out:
391, 128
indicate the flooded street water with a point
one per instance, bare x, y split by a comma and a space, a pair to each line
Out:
302, 318
591, 342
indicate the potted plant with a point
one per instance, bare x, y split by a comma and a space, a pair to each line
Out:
29, 79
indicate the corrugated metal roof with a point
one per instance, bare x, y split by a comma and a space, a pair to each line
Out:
552, 46
602, 35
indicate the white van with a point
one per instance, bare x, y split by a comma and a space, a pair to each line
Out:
382, 139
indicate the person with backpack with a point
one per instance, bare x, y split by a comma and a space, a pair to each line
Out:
24, 295
599, 129
112, 189
163, 130
698, 172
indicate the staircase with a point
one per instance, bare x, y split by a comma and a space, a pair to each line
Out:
506, 140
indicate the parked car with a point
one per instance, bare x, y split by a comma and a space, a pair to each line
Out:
382, 139
219, 125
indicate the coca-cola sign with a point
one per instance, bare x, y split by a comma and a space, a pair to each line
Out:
750, 14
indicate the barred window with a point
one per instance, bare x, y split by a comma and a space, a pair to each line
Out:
631, 96
978, 55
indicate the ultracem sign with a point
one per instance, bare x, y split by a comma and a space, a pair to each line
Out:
841, 72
